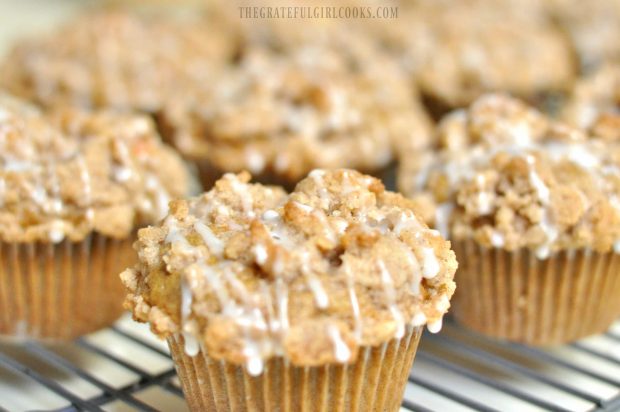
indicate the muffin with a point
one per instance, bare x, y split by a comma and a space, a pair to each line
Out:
459, 50
593, 30
118, 60
282, 115
595, 103
74, 186
531, 207
271, 301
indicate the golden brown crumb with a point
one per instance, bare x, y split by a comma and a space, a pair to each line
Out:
252, 272
66, 173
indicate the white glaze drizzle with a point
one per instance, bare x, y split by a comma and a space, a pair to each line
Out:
215, 245
430, 264
87, 187
416, 276
390, 296
314, 283
435, 326
341, 350
546, 224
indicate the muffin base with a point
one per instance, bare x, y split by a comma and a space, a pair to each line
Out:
518, 297
374, 382
64, 290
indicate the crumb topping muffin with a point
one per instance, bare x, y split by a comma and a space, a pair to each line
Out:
289, 114
250, 272
66, 173
116, 59
509, 177
459, 50
593, 30
595, 103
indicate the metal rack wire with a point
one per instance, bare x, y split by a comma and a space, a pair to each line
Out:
125, 368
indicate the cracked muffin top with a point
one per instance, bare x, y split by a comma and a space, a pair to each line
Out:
249, 272
116, 59
459, 50
509, 177
288, 114
66, 173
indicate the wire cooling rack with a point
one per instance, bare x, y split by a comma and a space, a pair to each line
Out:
126, 368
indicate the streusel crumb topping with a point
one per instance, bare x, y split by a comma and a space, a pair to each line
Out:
117, 59
509, 177
289, 114
460, 50
248, 272
592, 30
67, 173
595, 103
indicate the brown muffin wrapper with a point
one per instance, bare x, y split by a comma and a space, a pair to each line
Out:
64, 290
374, 382
516, 296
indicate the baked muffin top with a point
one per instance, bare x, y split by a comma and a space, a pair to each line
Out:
593, 29
287, 114
460, 50
251, 272
66, 173
595, 103
509, 177
116, 59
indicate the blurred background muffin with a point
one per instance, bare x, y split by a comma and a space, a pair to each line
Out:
117, 60
593, 29
531, 207
457, 50
283, 115
594, 104
74, 187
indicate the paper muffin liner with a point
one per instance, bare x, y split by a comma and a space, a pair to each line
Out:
518, 297
375, 381
64, 290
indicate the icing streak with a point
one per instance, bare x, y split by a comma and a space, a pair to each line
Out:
342, 351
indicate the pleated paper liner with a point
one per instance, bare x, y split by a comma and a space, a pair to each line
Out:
518, 297
64, 290
375, 381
